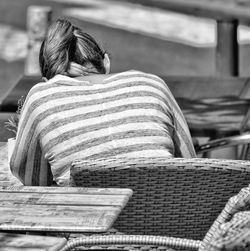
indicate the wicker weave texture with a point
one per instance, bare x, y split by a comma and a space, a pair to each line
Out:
172, 197
232, 235
230, 231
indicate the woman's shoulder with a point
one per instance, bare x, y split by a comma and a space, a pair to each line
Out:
38, 87
41, 87
130, 74
53, 82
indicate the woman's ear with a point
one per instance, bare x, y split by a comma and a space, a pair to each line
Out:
106, 63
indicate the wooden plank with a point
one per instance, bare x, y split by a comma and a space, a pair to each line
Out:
22, 242
215, 9
21, 217
68, 190
64, 199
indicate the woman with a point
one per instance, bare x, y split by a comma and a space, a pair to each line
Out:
83, 111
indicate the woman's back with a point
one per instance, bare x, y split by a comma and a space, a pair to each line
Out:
130, 114
82, 111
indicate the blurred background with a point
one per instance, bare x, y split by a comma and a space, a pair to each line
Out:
137, 37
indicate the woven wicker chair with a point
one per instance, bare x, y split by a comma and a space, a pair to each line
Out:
230, 231
172, 197
231, 235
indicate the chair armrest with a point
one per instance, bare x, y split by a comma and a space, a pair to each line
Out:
233, 234
234, 212
129, 240
224, 142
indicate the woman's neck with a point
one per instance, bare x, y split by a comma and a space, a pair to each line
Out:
96, 78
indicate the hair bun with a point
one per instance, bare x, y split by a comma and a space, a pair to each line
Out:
58, 47
66, 43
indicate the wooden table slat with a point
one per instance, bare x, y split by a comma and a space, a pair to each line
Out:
57, 218
22, 242
64, 199
67, 190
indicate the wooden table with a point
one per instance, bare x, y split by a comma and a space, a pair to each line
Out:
60, 209
21, 242
227, 13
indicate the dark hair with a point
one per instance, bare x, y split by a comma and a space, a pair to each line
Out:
66, 43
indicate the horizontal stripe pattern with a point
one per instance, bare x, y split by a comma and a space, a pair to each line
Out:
130, 114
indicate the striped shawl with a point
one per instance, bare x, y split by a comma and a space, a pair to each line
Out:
131, 114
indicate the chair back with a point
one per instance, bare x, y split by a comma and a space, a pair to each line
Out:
172, 197
231, 229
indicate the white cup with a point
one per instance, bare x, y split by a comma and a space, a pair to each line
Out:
11, 145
